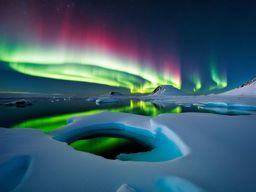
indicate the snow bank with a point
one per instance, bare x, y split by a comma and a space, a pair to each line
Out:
221, 157
246, 89
13, 172
165, 143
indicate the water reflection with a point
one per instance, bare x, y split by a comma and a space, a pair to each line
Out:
109, 147
48, 124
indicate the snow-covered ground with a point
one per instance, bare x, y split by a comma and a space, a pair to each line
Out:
244, 94
248, 88
218, 153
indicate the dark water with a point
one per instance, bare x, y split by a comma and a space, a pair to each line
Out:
48, 114
44, 108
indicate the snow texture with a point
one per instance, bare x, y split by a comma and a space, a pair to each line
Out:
125, 188
13, 171
165, 143
164, 90
221, 157
249, 88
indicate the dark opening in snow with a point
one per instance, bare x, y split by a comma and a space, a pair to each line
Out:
109, 147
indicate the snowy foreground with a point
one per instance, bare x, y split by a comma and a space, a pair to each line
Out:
192, 152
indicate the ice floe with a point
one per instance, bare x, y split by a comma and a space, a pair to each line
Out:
106, 100
19, 103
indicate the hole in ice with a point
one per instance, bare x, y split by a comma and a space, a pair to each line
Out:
109, 147
122, 141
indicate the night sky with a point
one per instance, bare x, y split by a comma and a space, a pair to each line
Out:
92, 47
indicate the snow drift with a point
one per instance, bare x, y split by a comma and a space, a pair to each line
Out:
248, 88
166, 145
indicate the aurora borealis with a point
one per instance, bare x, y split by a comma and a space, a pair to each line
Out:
93, 68
126, 44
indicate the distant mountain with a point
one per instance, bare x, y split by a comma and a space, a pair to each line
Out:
167, 90
248, 88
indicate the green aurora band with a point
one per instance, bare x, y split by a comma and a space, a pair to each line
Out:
219, 79
86, 65
195, 78
97, 66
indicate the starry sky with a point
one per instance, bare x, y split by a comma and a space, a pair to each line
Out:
92, 47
